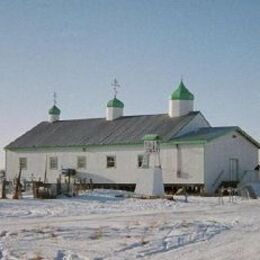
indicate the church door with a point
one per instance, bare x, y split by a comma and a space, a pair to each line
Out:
233, 169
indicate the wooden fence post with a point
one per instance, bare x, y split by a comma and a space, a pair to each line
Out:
91, 184
3, 195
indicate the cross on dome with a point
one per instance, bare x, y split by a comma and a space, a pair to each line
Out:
54, 98
115, 86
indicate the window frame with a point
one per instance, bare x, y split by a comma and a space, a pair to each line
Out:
51, 159
107, 161
25, 163
80, 157
138, 160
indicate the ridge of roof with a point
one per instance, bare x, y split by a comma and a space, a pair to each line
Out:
120, 118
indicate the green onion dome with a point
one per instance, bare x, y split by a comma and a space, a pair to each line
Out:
182, 93
54, 111
115, 103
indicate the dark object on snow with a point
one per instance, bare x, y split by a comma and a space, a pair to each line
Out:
91, 186
18, 186
3, 195
69, 172
2, 174
257, 168
44, 190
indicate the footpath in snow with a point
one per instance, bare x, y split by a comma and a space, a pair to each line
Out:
101, 225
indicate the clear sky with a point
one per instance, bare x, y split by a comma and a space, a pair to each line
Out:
77, 47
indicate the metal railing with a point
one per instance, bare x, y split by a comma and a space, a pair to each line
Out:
250, 176
217, 179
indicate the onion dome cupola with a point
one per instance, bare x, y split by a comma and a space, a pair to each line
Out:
181, 101
182, 93
115, 103
54, 111
115, 107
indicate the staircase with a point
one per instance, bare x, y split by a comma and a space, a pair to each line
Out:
250, 184
247, 186
250, 190
215, 184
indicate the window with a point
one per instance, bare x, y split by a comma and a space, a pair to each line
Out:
23, 163
82, 162
140, 160
53, 163
111, 161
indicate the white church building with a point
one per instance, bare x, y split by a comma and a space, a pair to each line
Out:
109, 150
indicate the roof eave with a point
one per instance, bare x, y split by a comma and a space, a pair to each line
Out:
199, 141
68, 146
240, 131
248, 137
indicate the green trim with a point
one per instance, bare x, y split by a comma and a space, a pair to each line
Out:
151, 137
182, 93
54, 110
115, 103
70, 146
189, 142
98, 146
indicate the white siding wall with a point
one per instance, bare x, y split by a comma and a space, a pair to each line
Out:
180, 107
126, 170
192, 163
113, 113
218, 153
54, 118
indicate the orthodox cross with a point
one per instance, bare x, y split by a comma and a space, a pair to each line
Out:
54, 98
115, 86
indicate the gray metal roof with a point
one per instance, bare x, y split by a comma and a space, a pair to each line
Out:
205, 134
209, 133
98, 131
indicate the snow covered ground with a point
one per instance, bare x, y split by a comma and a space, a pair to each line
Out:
99, 225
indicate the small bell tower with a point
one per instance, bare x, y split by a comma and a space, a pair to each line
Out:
115, 107
54, 111
181, 101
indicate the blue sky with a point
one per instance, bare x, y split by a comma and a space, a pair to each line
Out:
78, 47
